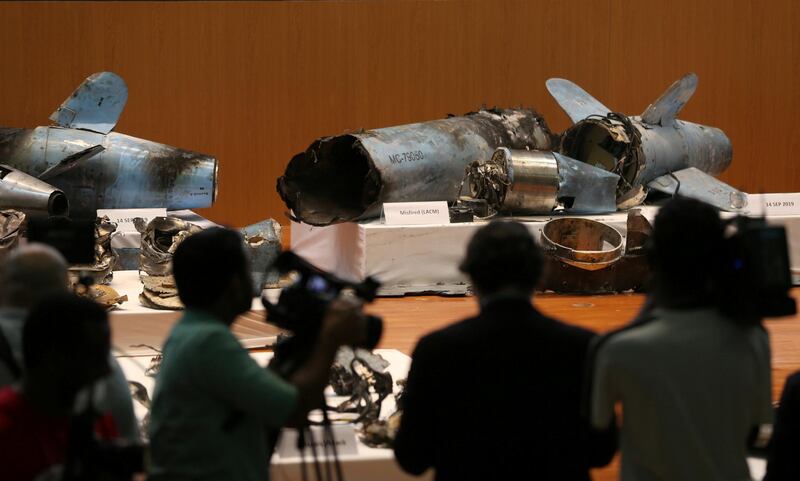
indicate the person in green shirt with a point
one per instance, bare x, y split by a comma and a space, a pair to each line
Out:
213, 403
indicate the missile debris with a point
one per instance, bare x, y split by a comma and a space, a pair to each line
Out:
349, 177
653, 151
537, 182
79, 165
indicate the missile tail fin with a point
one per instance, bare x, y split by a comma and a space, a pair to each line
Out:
576, 102
69, 163
95, 105
664, 110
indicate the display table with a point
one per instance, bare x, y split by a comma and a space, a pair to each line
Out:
413, 259
133, 324
369, 464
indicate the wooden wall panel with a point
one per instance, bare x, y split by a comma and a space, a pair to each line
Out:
256, 82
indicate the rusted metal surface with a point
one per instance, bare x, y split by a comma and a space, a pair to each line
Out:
102, 270
349, 177
11, 222
262, 242
537, 182
583, 243
160, 238
585, 258
99, 169
641, 149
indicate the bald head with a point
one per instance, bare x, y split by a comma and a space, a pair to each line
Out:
30, 273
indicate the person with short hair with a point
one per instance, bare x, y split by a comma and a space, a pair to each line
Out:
65, 345
213, 403
29, 275
693, 383
497, 396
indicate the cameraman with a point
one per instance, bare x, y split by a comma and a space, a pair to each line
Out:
213, 403
693, 383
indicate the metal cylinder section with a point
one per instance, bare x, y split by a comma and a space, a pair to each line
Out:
349, 177
532, 180
24, 192
639, 153
582, 243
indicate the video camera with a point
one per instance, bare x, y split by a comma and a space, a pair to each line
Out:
301, 307
755, 272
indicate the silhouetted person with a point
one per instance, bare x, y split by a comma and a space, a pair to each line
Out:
212, 402
65, 345
28, 275
497, 396
693, 383
784, 447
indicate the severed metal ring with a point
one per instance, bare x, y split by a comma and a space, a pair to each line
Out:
582, 243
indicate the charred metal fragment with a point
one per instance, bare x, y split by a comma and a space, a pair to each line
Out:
160, 238
536, 182
586, 257
106, 296
362, 375
641, 149
11, 222
349, 177
262, 242
86, 166
102, 270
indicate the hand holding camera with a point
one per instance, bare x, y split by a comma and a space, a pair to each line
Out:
344, 323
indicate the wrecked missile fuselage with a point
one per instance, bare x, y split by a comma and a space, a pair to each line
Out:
646, 152
79, 165
536, 182
588, 257
349, 177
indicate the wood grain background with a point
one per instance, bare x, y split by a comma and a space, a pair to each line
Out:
255, 82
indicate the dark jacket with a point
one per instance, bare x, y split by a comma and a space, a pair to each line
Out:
498, 397
784, 448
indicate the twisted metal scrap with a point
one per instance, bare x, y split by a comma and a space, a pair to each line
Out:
160, 238
362, 375
11, 222
102, 270
262, 242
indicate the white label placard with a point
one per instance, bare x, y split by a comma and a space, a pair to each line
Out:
416, 213
774, 204
344, 435
124, 217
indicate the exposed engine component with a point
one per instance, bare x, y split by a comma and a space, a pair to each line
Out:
349, 177
537, 182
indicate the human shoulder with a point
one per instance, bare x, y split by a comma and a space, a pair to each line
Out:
10, 404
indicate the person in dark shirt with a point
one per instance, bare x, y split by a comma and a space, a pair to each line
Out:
784, 448
498, 396
66, 345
